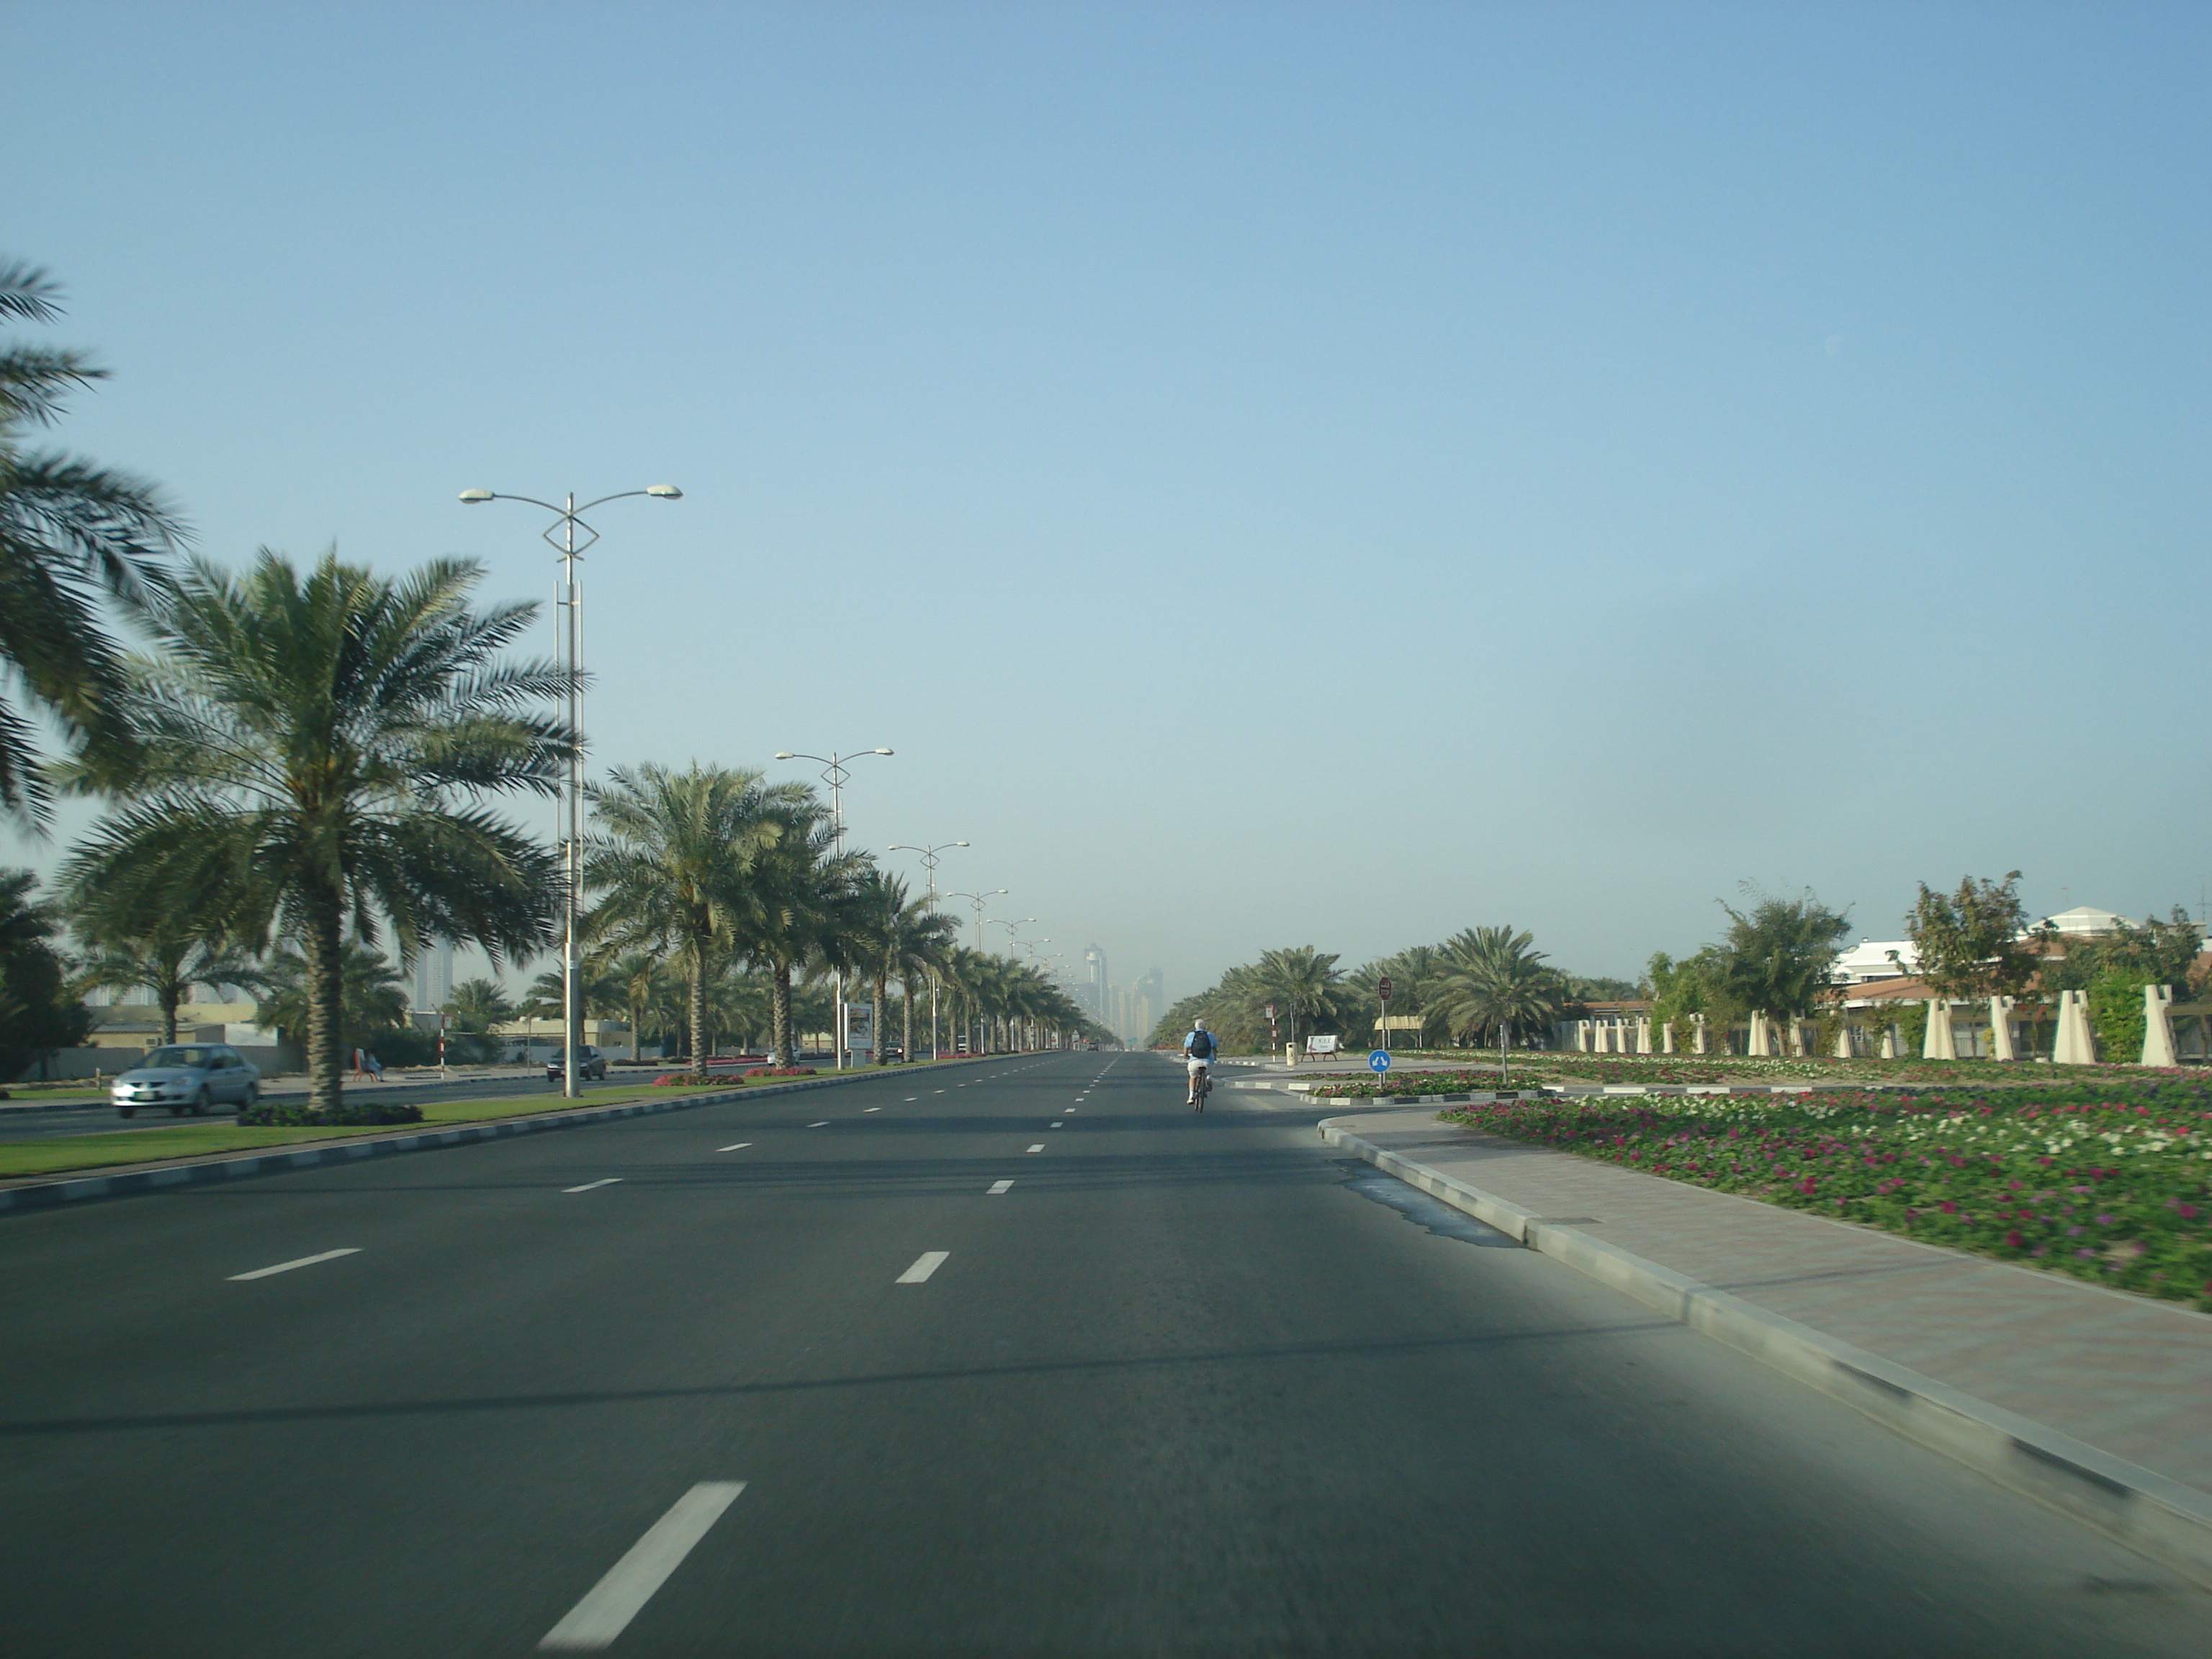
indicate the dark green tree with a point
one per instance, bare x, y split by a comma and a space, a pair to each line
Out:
39, 1013
1781, 953
1973, 943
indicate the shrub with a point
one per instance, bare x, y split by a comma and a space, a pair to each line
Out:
350, 1115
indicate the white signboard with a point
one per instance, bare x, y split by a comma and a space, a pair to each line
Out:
859, 1026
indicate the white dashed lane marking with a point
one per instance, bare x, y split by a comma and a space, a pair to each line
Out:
924, 1265
1038, 1147
297, 1262
822, 1125
738, 1147
606, 1180
606, 1610
998, 1187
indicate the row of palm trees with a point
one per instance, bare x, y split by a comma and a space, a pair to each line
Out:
1482, 985
307, 762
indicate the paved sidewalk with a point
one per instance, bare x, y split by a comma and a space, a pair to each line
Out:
2128, 1377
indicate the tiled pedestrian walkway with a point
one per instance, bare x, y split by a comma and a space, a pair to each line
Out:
2130, 1377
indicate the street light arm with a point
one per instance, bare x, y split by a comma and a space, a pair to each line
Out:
473, 496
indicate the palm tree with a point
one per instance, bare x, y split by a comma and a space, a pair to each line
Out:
1493, 979
797, 910
476, 1008
373, 997
318, 747
70, 533
894, 939
640, 976
919, 946
1301, 980
166, 960
679, 866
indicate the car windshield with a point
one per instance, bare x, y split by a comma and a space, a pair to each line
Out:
180, 1056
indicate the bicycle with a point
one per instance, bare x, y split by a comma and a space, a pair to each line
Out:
1201, 1084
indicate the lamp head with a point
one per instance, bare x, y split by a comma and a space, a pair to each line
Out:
959, 843
785, 754
473, 497
880, 752
665, 492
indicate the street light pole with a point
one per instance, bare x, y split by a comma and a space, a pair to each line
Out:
977, 900
567, 521
929, 862
834, 777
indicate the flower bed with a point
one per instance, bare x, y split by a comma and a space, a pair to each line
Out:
2110, 1182
694, 1080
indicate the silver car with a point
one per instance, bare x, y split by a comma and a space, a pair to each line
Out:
188, 1076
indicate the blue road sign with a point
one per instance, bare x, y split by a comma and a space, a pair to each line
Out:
1379, 1061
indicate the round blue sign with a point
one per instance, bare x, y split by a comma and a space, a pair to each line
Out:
1379, 1061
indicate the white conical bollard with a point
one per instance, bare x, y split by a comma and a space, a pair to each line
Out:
1844, 1039
1759, 1044
2158, 1026
1697, 1036
2073, 1045
1667, 1036
2000, 1044
1939, 1045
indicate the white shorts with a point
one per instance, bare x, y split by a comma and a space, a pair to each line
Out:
1195, 1066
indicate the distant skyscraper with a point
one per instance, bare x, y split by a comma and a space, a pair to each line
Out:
434, 978
1095, 1000
1147, 1003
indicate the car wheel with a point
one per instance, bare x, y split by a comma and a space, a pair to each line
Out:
176, 1111
126, 1111
252, 1095
200, 1103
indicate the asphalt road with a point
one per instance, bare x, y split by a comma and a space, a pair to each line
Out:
1187, 1385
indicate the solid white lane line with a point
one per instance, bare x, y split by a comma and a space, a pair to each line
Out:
607, 1182
822, 1125
302, 1261
1038, 1147
738, 1147
998, 1187
609, 1605
924, 1265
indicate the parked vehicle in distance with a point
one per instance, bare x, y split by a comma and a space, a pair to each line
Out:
590, 1064
892, 1051
187, 1077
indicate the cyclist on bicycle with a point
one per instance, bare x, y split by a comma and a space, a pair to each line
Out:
1199, 1049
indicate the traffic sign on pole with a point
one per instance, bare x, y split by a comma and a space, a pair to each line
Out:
1383, 988
1379, 1061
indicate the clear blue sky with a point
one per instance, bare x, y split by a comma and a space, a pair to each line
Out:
1277, 474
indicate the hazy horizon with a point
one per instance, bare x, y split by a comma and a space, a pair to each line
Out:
1276, 476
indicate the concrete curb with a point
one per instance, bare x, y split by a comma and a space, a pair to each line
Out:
2161, 1518
63, 1190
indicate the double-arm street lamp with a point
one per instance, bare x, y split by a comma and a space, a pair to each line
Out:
929, 855
835, 775
563, 533
977, 900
